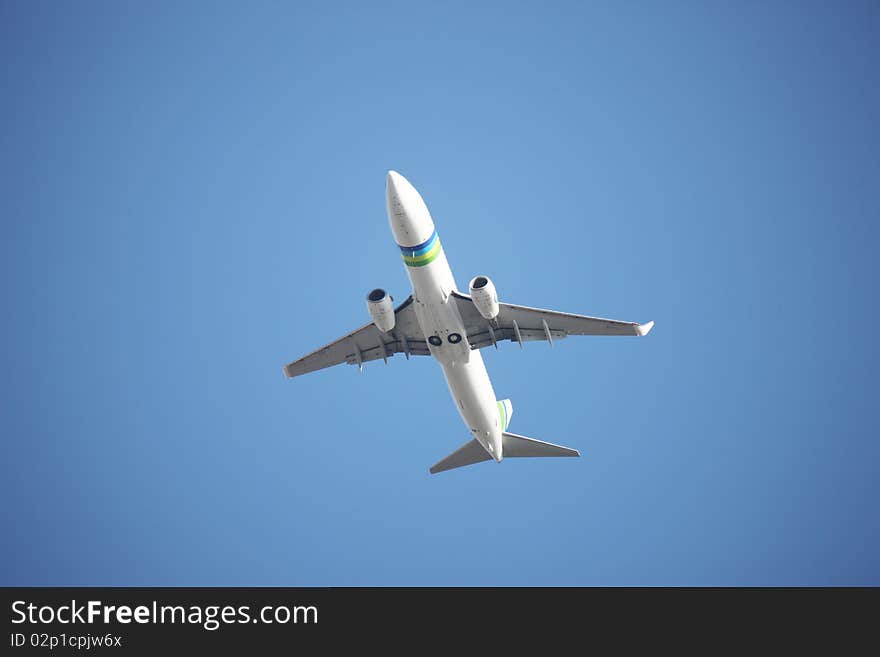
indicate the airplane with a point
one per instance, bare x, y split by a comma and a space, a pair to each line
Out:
437, 320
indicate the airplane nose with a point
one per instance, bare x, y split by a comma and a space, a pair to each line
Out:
410, 220
397, 188
393, 189
403, 199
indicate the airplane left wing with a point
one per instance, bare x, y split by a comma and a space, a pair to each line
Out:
367, 343
521, 324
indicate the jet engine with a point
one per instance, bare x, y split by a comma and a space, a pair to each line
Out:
484, 296
381, 310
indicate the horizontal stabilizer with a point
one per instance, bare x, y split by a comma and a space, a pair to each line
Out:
515, 446
468, 454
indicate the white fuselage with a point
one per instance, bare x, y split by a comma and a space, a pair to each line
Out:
432, 283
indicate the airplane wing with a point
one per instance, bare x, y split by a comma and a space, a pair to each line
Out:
367, 343
521, 323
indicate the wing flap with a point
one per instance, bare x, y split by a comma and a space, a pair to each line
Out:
478, 340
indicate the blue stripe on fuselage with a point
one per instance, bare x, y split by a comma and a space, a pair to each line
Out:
419, 249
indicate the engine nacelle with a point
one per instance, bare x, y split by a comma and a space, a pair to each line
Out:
484, 296
381, 310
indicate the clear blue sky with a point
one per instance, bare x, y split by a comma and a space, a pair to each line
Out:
193, 194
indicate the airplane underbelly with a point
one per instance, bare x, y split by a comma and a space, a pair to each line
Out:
474, 397
438, 316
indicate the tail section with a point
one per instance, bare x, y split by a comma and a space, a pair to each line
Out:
505, 412
514, 446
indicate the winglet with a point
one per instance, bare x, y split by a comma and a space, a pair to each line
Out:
644, 329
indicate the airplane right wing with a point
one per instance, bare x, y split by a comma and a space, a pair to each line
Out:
367, 343
521, 323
